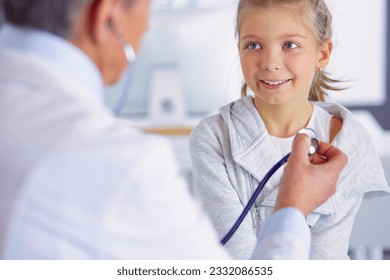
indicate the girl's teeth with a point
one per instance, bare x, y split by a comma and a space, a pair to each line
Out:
274, 83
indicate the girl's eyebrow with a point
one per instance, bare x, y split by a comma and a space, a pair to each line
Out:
283, 36
249, 37
292, 36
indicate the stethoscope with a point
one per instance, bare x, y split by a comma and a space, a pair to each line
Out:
313, 148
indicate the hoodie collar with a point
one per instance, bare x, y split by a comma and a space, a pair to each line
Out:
251, 145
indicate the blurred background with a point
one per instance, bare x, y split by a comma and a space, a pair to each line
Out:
189, 67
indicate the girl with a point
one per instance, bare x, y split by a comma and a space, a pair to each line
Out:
284, 45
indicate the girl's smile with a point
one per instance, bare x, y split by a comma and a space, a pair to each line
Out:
274, 84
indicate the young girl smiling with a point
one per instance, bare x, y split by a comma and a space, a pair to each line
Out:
284, 47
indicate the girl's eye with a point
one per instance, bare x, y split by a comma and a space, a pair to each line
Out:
290, 45
253, 46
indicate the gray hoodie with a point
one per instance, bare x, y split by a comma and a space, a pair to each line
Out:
232, 151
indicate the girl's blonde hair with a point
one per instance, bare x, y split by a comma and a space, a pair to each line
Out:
317, 17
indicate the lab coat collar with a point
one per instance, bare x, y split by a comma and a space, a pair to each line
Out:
62, 54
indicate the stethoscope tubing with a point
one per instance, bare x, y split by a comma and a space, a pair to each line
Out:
253, 198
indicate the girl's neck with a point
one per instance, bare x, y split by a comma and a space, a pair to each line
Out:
284, 120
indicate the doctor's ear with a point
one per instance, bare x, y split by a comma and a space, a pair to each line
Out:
102, 17
110, 24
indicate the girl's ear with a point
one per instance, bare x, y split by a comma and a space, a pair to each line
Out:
324, 53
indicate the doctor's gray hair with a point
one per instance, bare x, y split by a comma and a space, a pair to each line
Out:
54, 16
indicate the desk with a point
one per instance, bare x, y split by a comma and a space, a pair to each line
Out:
169, 131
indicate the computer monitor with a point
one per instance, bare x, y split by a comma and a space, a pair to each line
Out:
188, 66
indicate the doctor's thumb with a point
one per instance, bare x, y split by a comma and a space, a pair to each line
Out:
300, 148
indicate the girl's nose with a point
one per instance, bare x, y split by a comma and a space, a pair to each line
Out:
270, 61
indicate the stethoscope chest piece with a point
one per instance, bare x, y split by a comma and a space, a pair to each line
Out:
313, 138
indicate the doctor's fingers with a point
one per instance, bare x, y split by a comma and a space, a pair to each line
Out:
329, 155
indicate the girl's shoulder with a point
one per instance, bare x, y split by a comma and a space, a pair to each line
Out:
364, 173
335, 126
328, 124
229, 116
343, 124
210, 128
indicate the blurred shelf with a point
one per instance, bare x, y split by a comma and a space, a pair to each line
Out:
168, 131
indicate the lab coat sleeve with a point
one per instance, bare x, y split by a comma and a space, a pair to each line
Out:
284, 236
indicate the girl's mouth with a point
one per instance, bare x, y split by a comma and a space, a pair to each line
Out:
274, 84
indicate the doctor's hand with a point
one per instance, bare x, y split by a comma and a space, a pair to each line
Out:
308, 182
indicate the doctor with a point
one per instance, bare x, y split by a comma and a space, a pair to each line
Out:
76, 183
